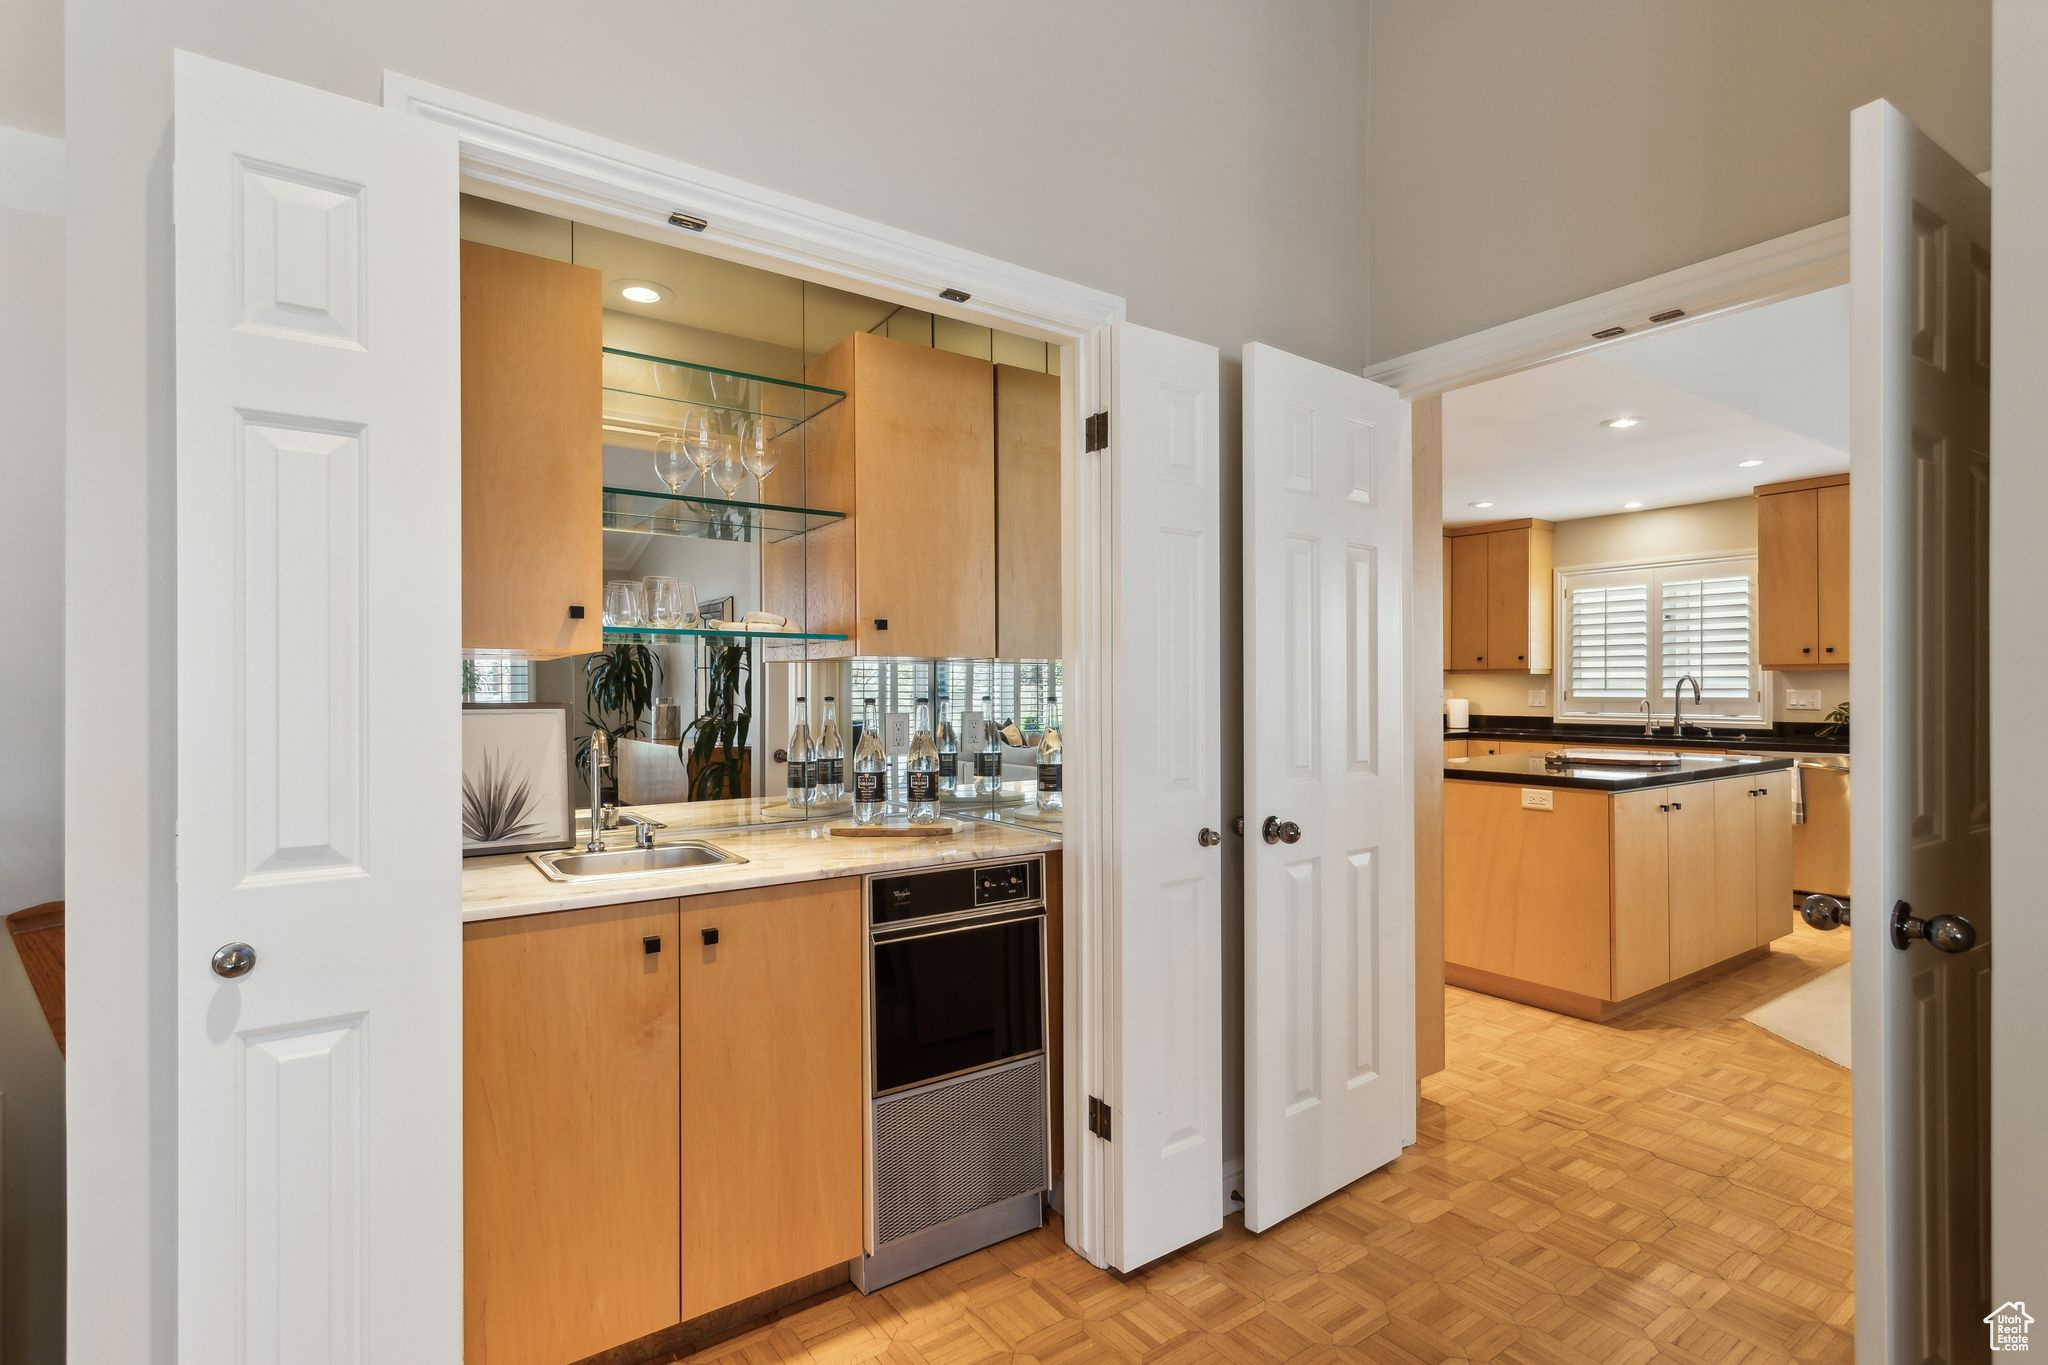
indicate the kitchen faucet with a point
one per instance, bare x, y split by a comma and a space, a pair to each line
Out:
1677, 715
1649, 720
600, 759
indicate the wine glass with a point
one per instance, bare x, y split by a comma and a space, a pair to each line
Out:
727, 469
702, 438
672, 462
759, 454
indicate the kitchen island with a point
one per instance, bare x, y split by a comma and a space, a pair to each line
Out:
1591, 889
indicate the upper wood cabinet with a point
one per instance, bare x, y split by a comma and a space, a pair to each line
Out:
1027, 603
532, 454
1498, 596
772, 1088
569, 1138
1802, 562
910, 457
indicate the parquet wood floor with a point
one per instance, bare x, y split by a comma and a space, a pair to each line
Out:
1673, 1186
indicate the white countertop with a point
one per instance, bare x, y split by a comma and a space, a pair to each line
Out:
776, 853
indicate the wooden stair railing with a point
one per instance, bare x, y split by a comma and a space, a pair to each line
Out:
38, 934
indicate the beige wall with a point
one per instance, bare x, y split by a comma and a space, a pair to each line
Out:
1726, 527
1081, 139
1527, 155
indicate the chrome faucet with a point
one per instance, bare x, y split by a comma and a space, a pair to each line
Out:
643, 828
600, 759
1649, 721
1677, 715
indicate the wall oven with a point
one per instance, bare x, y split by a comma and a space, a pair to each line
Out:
958, 1150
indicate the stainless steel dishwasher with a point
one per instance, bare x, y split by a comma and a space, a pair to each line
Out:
959, 1147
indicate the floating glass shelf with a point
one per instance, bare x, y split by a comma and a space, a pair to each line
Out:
646, 396
640, 512
656, 634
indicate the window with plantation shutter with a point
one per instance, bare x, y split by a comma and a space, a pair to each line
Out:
1630, 632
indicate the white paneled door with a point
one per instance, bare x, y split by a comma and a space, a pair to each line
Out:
1329, 915
319, 965
1164, 935
1920, 487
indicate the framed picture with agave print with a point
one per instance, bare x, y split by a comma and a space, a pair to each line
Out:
515, 778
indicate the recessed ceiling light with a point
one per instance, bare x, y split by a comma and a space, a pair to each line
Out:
1630, 506
642, 291
1481, 505
1621, 423
1747, 464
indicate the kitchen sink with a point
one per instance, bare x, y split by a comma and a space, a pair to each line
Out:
576, 865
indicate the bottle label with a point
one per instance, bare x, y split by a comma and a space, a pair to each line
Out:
831, 772
924, 787
869, 787
949, 766
1049, 777
801, 776
988, 765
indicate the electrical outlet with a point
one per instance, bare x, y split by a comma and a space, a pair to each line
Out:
1802, 699
1538, 798
1539, 696
896, 734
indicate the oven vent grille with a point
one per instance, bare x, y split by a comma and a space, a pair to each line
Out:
959, 1146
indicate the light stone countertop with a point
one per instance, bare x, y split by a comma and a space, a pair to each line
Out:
505, 885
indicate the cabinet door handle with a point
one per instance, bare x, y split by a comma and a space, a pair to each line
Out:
1806, 649
1664, 807
710, 938
576, 611
651, 944
1831, 649
1678, 805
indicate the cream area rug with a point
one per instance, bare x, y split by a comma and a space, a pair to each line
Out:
1815, 1016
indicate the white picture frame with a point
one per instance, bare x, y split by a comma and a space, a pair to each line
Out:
515, 779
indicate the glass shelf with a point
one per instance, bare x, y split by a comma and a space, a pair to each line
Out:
646, 396
639, 512
656, 634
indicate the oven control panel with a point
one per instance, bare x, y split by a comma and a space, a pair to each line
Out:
1005, 884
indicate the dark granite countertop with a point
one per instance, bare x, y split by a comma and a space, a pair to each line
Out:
1785, 738
1529, 770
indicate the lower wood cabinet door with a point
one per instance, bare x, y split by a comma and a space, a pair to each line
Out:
1773, 801
1697, 918
569, 1025
1642, 893
772, 1088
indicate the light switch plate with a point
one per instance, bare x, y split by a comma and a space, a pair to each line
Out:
1802, 699
1539, 696
896, 734
1538, 798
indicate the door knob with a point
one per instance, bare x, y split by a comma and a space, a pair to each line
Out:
1278, 831
1208, 838
1949, 933
1823, 912
233, 960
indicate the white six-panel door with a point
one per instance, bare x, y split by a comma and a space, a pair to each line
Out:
1330, 889
1165, 939
1920, 271
318, 466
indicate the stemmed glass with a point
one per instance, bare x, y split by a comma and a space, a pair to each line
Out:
703, 440
759, 454
672, 462
727, 469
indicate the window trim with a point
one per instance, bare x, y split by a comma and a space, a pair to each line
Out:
1561, 631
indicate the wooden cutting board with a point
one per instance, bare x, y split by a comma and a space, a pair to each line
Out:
897, 829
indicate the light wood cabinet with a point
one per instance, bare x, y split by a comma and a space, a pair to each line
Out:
1642, 891
910, 457
570, 1145
1027, 512
532, 454
1774, 880
1498, 596
1802, 557
771, 1092
1457, 748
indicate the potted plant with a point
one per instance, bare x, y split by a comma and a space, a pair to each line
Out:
715, 745
619, 683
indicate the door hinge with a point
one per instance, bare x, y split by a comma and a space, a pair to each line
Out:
1098, 1118
1098, 431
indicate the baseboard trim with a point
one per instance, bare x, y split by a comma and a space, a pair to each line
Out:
1586, 1007
686, 1338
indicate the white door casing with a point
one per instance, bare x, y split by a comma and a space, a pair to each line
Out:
1920, 505
318, 480
1329, 920
1163, 938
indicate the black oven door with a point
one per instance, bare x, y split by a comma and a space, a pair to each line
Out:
956, 997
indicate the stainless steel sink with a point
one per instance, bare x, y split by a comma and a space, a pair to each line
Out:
575, 865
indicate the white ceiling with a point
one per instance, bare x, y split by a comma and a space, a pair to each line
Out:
1768, 383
